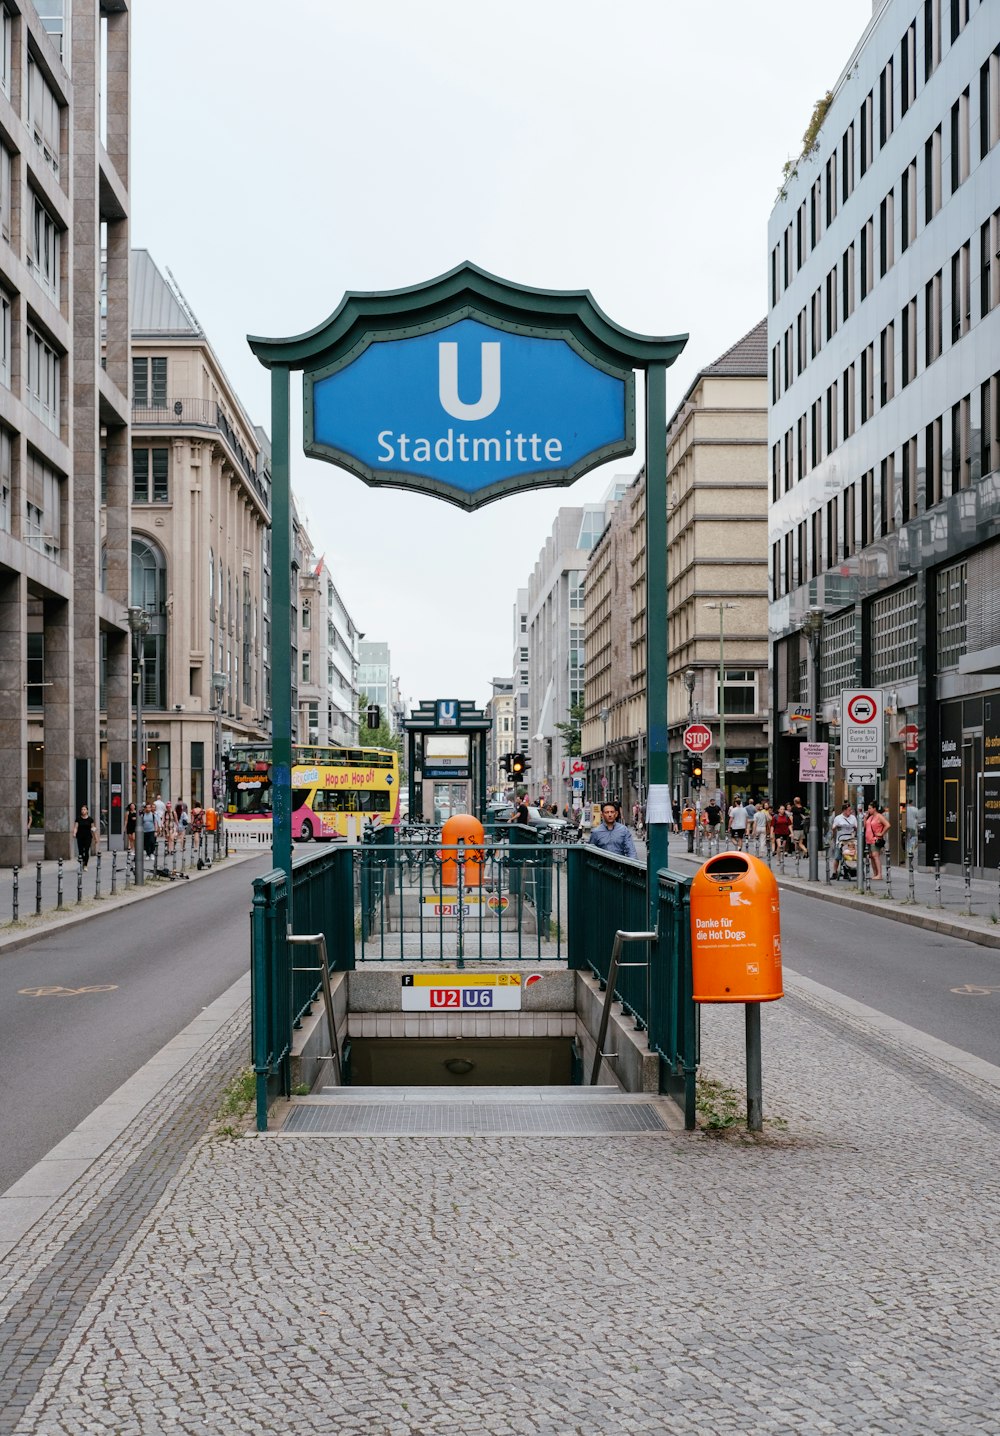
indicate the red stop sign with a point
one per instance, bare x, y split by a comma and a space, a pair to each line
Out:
697, 738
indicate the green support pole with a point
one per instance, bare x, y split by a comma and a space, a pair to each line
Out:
281, 630
657, 831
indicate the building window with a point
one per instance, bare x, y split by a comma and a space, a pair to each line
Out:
149, 383
892, 619
933, 466
989, 104
831, 303
909, 480
886, 221
989, 264
847, 281
867, 508
801, 350
306, 616
847, 400
867, 382
43, 249
741, 692
306, 666
867, 135
932, 37
5, 480
151, 476
961, 475
909, 342
43, 115
952, 614
961, 293
817, 322
4, 340
6, 26
838, 647
959, 18
887, 366
867, 257
908, 68
908, 206
887, 497
932, 175
932, 319
43, 380
847, 163
960, 141
885, 116
5, 191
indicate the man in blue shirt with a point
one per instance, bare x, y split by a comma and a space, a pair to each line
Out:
612, 834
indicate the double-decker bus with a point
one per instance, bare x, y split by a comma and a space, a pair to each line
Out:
336, 792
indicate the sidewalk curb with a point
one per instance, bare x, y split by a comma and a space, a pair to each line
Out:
54, 920
913, 915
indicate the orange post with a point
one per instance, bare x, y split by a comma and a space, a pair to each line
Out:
735, 931
469, 830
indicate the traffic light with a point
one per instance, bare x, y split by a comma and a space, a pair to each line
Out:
505, 762
696, 774
911, 770
373, 717
518, 763
525, 762
689, 768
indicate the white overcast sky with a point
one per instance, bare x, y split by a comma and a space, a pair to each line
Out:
283, 154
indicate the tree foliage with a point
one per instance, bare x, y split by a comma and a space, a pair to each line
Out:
572, 730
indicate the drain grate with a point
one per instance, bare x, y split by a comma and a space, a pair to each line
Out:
470, 1119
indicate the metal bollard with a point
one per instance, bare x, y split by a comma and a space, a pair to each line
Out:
114, 872
888, 873
79, 880
97, 875
38, 888
15, 894
937, 878
967, 873
59, 884
911, 877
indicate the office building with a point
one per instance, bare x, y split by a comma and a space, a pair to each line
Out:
884, 428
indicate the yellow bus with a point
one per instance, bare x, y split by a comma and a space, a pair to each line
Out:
336, 792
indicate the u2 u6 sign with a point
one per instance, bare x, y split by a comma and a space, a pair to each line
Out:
463, 991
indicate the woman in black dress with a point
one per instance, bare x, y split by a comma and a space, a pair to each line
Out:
83, 831
131, 819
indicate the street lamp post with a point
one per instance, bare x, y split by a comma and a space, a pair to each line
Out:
219, 685
690, 677
604, 715
138, 622
813, 628
721, 606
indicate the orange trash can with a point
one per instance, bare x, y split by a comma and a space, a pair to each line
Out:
735, 931
462, 827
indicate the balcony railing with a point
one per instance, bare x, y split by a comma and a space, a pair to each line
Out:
200, 414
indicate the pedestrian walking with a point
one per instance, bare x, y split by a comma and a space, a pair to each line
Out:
83, 831
713, 819
876, 827
761, 827
843, 830
798, 815
131, 823
149, 830
738, 823
781, 827
611, 835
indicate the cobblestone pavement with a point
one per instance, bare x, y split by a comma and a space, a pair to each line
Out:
840, 1275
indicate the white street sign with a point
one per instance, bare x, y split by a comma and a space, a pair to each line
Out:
864, 777
862, 730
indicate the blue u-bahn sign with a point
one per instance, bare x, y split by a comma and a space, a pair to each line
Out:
469, 410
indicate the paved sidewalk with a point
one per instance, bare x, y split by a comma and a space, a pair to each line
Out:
841, 1274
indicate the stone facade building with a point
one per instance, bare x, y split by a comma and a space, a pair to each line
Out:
64, 417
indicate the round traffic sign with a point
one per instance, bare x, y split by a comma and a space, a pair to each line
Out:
862, 708
911, 737
697, 738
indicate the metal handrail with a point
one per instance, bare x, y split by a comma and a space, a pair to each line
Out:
318, 939
609, 992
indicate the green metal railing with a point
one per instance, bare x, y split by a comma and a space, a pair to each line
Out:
607, 894
535, 901
323, 901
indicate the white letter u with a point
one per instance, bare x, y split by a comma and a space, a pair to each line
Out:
489, 396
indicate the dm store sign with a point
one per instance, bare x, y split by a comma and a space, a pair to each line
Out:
469, 412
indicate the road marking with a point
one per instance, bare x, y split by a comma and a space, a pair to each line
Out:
65, 991
971, 990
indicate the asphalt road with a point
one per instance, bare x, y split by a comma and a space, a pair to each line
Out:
150, 969
918, 977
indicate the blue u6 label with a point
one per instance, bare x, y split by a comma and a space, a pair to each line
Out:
469, 411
